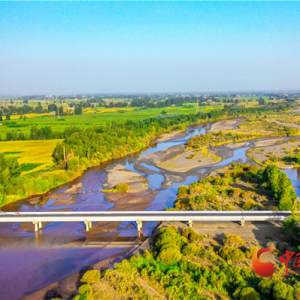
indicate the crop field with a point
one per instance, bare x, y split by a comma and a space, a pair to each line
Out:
95, 116
32, 155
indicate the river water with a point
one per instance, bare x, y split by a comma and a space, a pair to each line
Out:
30, 261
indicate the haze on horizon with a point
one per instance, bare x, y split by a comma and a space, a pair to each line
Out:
148, 47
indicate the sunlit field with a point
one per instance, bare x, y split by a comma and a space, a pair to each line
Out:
32, 155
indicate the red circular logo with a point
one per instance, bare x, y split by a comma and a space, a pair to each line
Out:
264, 269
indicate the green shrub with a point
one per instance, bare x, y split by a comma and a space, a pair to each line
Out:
183, 190
234, 241
191, 234
297, 294
122, 187
73, 164
85, 289
225, 252
282, 291
184, 240
249, 293
250, 252
265, 286
91, 276
237, 255
169, 256
191, 249
229, 253
196, 237
202, 281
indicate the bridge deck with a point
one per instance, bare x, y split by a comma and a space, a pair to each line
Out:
144, 216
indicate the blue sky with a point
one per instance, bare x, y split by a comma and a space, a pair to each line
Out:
135, 47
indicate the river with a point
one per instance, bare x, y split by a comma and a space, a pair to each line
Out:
30, 261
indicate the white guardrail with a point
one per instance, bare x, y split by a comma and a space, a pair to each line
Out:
139, 216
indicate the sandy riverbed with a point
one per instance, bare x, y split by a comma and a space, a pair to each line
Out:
284, 123
270, 148
174, 159
119, 174
225, 125
170, 136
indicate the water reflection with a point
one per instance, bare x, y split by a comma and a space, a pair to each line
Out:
294, 175
238, 154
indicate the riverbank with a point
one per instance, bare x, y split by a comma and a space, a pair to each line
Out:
71, 176
275, 151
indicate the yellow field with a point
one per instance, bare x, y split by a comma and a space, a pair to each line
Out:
33, 115
31, 152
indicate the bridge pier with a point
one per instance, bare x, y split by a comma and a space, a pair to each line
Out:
139, 225
87, 227
40, 225
35, 225
190, 223
242, 222
90, 224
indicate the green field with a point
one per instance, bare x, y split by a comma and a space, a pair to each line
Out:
96, 116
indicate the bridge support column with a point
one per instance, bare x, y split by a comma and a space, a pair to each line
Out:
90, 224
87, 225
139, 225
35, 225
190, 223
40, 225
242, 222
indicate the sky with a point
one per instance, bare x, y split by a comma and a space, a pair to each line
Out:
148, 47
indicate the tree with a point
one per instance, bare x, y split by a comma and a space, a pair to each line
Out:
281, 187
169, 256
265, 286
123, 187
61, 110
78, 110
282, 291
7, 117
52, 107
91, 276
9, 169
73, 164
262, 101
249, 293
234, 241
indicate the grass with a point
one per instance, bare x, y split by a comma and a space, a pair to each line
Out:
31, 153
29, 167
12, 152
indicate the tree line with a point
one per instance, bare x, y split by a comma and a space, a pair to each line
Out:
47, 132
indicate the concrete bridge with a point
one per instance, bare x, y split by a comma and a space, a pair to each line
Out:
141, 216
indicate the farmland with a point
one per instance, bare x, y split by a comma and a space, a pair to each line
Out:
93, 116
30, 153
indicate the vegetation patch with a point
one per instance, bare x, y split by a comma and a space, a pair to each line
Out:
177, 268
266, 188
28, 167
11, 152
120, 188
